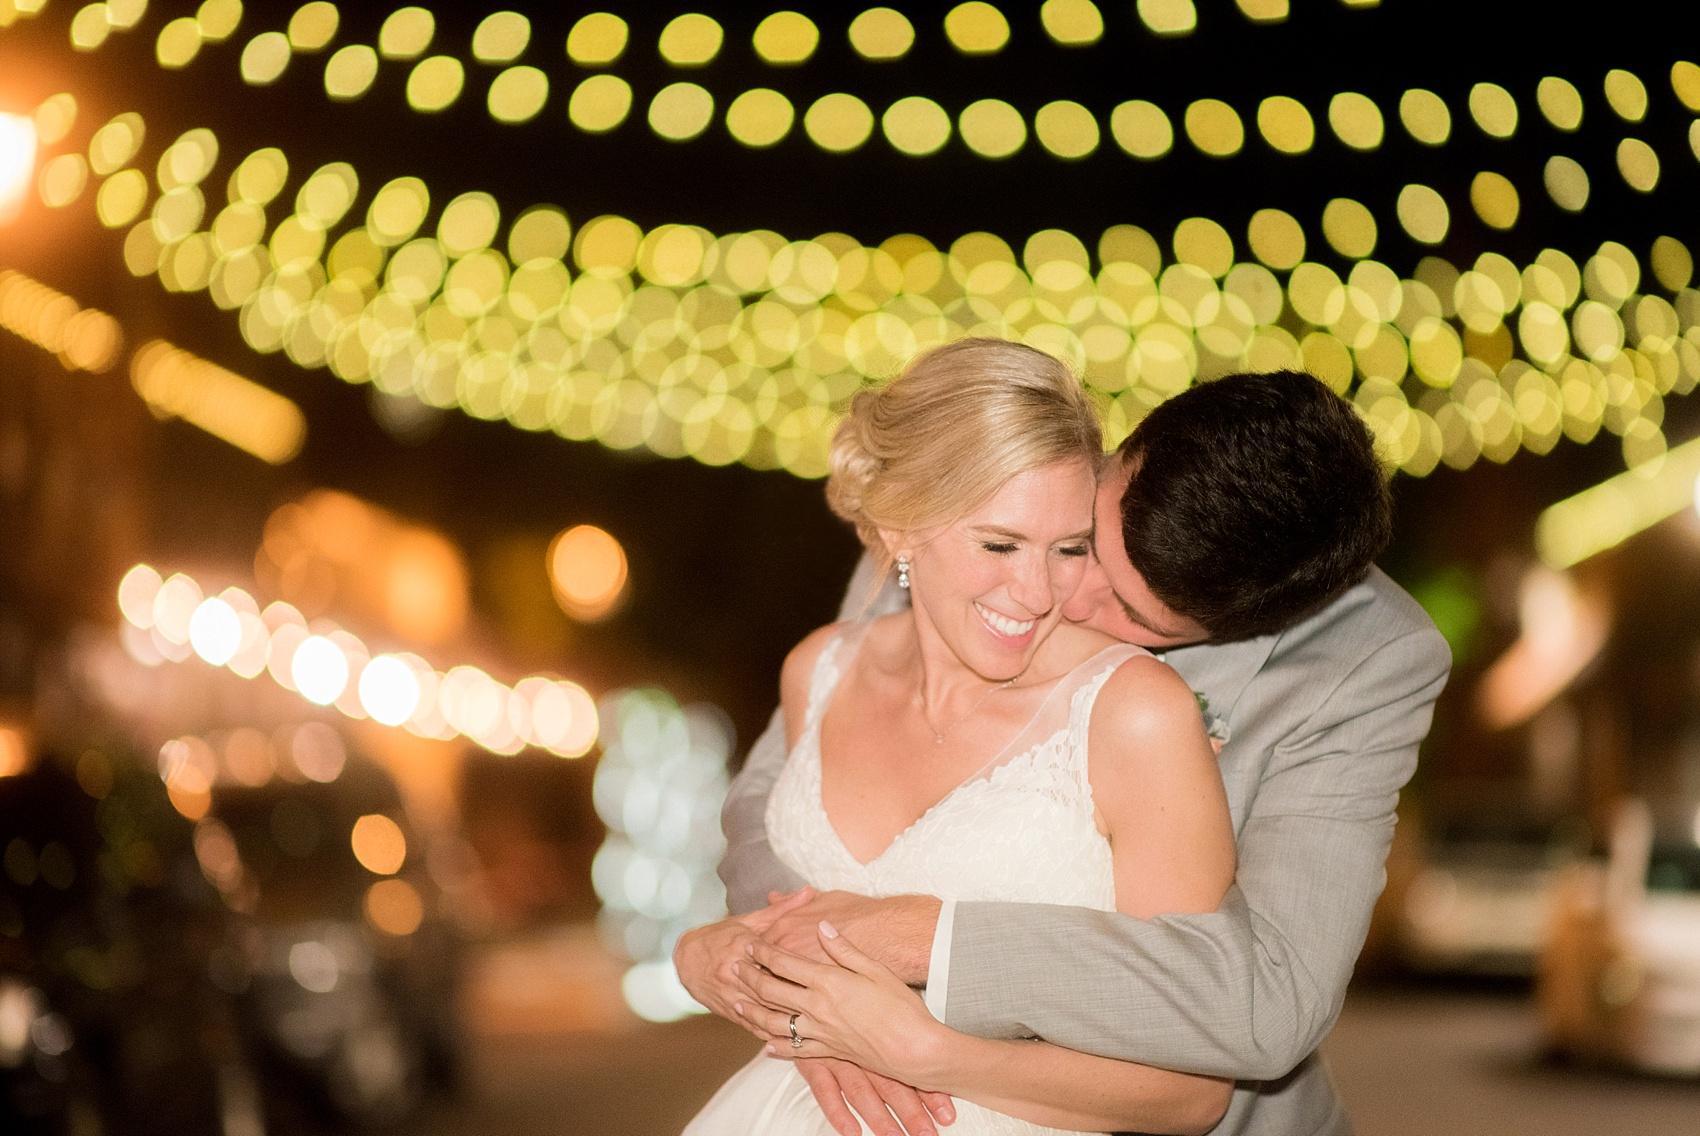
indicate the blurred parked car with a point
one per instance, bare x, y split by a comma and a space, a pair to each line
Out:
1479, 900
350, 968
1619, 979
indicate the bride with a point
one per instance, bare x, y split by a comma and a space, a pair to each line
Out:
976, 747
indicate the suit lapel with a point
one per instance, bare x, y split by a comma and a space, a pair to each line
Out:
1221, 671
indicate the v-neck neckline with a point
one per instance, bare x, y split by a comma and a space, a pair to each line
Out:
816, 730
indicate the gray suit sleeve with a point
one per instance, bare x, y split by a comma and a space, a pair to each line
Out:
749, 868
1250, 990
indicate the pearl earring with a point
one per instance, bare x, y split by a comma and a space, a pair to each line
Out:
903, 572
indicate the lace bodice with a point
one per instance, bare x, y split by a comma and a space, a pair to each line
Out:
1021, 829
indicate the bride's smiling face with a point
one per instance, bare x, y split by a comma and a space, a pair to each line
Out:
991, 585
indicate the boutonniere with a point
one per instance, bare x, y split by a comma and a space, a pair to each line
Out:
1215, 726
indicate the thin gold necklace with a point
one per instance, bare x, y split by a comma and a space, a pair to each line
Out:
940, 732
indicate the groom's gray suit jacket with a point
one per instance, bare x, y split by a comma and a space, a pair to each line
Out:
1324, 721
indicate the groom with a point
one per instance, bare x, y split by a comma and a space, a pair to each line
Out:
1236, 529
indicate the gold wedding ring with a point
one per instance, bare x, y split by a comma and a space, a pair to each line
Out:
796, 1038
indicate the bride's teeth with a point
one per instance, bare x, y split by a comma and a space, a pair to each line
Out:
1003, 625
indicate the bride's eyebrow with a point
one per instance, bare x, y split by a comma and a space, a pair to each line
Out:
1011, 534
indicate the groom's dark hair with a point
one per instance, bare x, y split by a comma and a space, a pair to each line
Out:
1255, 499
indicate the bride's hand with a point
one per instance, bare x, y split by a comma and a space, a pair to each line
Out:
853, 1008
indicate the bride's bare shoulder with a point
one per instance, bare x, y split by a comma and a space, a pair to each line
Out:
1072, 644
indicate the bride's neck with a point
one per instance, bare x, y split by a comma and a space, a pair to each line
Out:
940, 675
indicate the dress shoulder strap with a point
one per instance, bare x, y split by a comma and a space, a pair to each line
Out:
1090, 679
829, 670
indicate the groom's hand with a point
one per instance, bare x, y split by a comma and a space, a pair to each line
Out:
896, 931
705, 956
840, 1087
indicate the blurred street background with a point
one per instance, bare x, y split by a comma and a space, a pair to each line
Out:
411, 429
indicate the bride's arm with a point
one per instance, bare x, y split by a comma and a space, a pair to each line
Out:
1160, 799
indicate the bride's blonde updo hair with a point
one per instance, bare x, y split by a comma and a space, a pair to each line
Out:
947, 432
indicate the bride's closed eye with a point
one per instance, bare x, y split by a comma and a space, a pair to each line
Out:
1005, 548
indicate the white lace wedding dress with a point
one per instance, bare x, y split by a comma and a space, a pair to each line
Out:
1020, 829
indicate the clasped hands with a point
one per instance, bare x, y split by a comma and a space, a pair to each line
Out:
866, 1034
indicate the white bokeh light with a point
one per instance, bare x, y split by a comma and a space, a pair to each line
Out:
136, 592
389, 690
319, 670
215, 631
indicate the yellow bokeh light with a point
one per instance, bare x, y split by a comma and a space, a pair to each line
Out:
518, 95
122, 198
1066, 129
219, 19
1494, 199
597, 40
1072, 23
786, 38
882, 33
379, 844
1423, 214
264, 58
178, 43
691, 40
1626, 94
63, 179
992, 128
1425, 116
838, 122
600, 103
1567, 183
1494, 110
540, 233
1168, 17
1202, 242
501, 37
606, 246
468, 223
406, 33
55, 117
1214, 127
1672, 264
1639, 164
1276, 238
915, 126
435, 83
397, 210
1685, 83
1264, 11
760, 117
328, 193
588, 570
1349, 227
1142, 129
1356, 120
350, 71
89, 27
115, 143
1560, 102
681, 111
394, 907
313, 26
976, 28
1286, 124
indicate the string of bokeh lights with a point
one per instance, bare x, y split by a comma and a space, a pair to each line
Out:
741, 347
841, 122
171, 619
